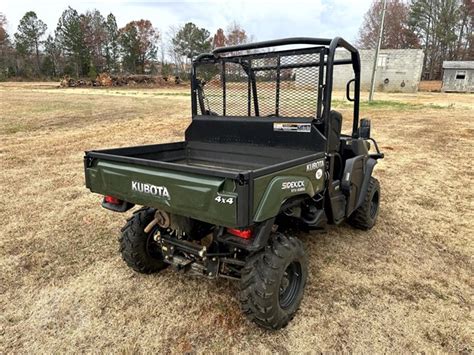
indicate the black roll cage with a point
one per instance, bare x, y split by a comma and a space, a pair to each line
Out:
328, 47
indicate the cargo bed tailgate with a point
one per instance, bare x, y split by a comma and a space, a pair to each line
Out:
175, 191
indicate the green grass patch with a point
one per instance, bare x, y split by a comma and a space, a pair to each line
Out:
389, 104
15, 128
171, 94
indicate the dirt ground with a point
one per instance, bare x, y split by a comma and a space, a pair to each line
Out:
430, 85
405, 286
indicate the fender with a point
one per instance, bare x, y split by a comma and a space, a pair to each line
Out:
278, 191
369, 167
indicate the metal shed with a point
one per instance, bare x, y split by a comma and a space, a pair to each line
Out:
458, 76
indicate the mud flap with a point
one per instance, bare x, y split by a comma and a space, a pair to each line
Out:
338, 202
369, 167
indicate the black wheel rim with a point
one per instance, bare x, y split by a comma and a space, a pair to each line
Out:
374, 205
152, 249
290, 284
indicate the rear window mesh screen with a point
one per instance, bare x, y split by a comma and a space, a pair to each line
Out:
236, 90
210, 77
299, 87
287, 85
266, 82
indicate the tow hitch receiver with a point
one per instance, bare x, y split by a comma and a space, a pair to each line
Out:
186, 256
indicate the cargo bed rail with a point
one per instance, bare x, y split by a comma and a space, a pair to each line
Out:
244, 175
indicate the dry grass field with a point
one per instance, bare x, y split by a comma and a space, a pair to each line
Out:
405, 286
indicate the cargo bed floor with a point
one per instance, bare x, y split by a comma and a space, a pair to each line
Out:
216, 165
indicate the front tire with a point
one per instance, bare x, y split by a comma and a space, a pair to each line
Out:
139, 250
365, 216
273, 282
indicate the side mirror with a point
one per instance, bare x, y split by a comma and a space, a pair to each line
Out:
364, 129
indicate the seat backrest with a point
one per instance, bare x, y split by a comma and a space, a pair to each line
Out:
334, 139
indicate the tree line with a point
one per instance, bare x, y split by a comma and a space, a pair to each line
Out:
85, 44
442, 28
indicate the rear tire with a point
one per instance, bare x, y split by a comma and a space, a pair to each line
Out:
139, 250
273, 282
365, 216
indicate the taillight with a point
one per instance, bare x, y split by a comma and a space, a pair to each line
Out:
242, 233
112, 200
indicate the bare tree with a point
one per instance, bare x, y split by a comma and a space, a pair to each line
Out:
445, 29
6, 49
93, 26
465, 49
174, 51
3, 28
397, 33
235, 34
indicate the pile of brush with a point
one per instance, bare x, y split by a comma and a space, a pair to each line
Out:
105, 79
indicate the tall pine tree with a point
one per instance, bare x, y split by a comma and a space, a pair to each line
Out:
191, 40
28, 37
112, 54
71, 39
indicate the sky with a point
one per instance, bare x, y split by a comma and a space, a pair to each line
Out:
263, 20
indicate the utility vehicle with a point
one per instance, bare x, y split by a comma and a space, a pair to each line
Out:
264, 153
